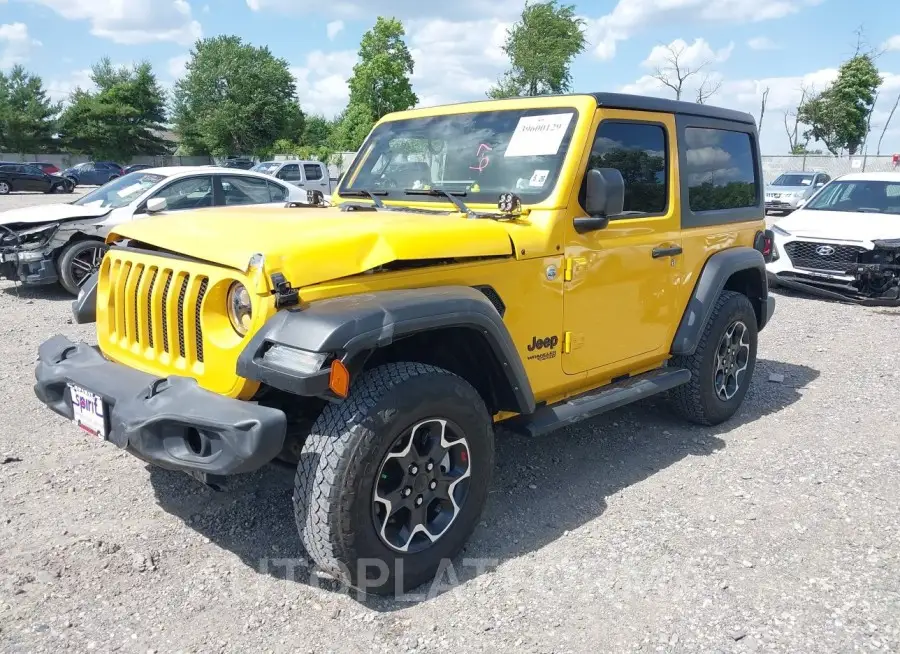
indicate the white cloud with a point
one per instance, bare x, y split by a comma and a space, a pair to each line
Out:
695, 55
137, 21
762, 43
15, 44
413, 9
322, 81
631, 16
60, 89
334, 28
892, 43
176, 65
456, 60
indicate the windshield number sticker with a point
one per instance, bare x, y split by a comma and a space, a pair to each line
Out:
539, 178
538, 135
483, 159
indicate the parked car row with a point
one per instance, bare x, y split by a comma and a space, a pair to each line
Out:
63, 243
28, 177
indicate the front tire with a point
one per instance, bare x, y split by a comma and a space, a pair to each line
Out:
78, 261
4, 188
392, 481
722, 365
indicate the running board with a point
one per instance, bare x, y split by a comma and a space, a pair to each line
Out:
550, 418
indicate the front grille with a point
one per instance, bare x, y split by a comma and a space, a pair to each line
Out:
823, 256
145, 313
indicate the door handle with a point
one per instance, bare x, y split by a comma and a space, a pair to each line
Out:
667, 251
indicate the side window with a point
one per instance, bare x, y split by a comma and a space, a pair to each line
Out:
313, 172
277, 193
244, 190
720, 170
190, 193
32, 170
290, 173
638, 151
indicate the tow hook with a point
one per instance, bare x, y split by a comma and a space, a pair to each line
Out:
285, 295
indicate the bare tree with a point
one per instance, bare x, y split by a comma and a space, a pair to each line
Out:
886, 125
792, 122
762, 108
707, 89
676, 72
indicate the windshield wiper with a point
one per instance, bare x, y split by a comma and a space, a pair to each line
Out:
365, 193
443, 193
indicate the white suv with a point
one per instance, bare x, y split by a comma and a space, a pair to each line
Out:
819, 244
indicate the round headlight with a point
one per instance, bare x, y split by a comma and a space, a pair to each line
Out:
240, 310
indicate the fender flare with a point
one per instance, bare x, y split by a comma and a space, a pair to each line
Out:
715, 274
352, 327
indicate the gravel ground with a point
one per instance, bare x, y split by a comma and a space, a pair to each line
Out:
779, 531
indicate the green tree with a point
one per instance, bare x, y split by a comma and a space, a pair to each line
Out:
27, 116
380, 78
839, 115
316, 131
119, 120
235, 98
540, 47
352, 128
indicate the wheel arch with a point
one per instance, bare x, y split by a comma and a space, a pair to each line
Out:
453, 327
740, 269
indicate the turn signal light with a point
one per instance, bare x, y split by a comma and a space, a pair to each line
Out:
339, 379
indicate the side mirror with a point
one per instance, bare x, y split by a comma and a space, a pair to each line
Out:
604, 197
155, 205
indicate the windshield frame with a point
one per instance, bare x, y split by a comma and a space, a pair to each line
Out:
473, 199
86, 199
834, 187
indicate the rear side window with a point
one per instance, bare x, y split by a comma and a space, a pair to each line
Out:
721, 170
638, 151
312, 172
277, 193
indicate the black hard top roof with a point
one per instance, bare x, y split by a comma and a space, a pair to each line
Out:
647, 103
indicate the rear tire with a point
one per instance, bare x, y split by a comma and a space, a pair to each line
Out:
722, 365
370, 460
78, 261
4, 188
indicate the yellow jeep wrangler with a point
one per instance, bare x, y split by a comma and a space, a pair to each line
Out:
528, 262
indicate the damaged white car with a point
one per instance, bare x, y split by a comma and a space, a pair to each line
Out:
64, 243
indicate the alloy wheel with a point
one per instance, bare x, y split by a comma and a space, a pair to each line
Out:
421, 485
86, 263
732, 358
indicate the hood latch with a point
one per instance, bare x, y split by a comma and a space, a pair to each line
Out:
285, 295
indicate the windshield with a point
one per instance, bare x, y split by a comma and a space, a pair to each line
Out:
266, 168
121, 191
859, 196
480, 154
793, 180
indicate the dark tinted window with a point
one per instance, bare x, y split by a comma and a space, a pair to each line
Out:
246, 190
290, 173
638, 151
312, 172
8, 169
277, 193
721, 170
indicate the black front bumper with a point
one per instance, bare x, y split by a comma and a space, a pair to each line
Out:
169, 422
33, 273
831, 290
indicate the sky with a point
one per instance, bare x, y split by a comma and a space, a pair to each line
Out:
749, 45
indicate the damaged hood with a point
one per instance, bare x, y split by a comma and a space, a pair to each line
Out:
315, 245
842, 225
47, 213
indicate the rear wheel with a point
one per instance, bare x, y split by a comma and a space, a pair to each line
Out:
4, 188
392, 481
78, 261
722, 365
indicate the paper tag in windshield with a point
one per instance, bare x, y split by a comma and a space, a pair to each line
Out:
129, 190
539, 178
538, 135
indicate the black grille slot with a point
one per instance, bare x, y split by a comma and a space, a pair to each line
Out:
150, 308
134, 306
181, 294
165, 313
823, 256
200, 295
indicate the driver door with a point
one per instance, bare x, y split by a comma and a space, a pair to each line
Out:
620, 281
